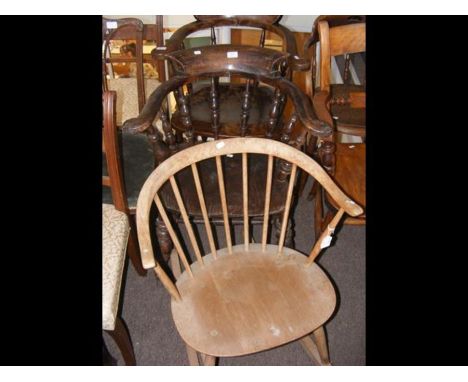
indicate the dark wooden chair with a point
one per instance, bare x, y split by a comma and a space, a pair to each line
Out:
255, 65
250, 297
232, 91
118, 237
137, 158
342, 105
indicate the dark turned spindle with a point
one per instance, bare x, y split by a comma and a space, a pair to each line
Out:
327, 156
346, 76
274, 113
245, 109
160, 150
284, 167
185, 114
168, 134
214, 106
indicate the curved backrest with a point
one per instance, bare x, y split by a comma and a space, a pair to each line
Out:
111, 149
215, 151
288, 131
262, 22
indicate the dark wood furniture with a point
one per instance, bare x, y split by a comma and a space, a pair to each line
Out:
344, 106
256, 65
245, 298
119, 236
131, 92
231, 92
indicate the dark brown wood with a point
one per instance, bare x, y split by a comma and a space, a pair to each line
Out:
214, 106
115, 179
122, 339
164, 239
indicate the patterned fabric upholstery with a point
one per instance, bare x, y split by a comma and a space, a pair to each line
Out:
115, 231
127, 96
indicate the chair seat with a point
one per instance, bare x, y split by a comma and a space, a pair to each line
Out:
115, 231
350, 172
232, 170
349, 115
231, 98
138, 163
251, 301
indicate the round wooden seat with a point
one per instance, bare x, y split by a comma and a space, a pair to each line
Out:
249, 301
230, 110
350, 173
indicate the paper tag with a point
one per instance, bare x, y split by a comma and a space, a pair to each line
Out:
220, 145
352, 147
197, 52
231, 54
325, 242
111, 25
161, 47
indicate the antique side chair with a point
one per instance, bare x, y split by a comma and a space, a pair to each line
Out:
250, 297
118, 238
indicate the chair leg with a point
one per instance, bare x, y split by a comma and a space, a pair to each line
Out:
193, 356
321, 342
316, 347
209, 360
133, 250
122, 339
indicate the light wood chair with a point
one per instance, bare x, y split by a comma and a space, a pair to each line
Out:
250, 297
342, 106
118, 238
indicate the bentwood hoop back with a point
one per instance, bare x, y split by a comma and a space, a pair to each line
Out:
253, 296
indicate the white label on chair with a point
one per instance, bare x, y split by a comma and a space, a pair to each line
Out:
230, 155
111, 25
220, 145
325, 242
352, 147
231, 54
161, 48
197, 52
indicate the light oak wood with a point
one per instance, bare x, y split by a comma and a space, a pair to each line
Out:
267, 201
170, 229
186, 219
201, 199
287, 207
251, 301
347, 39
245, 200
222, 193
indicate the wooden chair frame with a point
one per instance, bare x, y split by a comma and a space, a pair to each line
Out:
216, 149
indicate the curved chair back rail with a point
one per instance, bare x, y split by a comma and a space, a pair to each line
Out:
219, 58
302, 104
266, 23
216, 149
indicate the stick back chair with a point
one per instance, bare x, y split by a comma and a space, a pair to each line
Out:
289, 131
233, 91
342, 105
118, 237
249, 297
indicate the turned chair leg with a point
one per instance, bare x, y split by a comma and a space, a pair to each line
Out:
209, 360
321, 342
133, 249
316, 347
193, 356
122, 339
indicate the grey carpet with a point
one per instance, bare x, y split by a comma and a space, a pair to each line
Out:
146, 310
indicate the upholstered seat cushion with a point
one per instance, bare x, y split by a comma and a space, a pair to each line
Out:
115, 231
127, 96
137, 162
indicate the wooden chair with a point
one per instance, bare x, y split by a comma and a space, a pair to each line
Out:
118, 238
137, 157
342, 105
255, 64
233, 91
131, 92
250, 297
